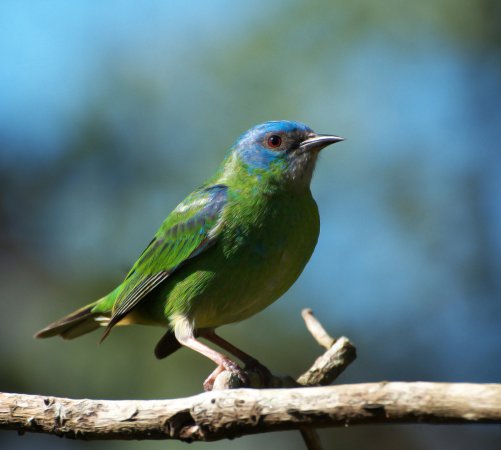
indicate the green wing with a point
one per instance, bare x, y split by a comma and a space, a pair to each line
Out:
188, 231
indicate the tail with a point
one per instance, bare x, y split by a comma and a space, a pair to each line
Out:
167, 345
79, 322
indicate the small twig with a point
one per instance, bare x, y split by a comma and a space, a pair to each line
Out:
311, 438
327, 367
324, 370
340, 353
316, 329
330, 365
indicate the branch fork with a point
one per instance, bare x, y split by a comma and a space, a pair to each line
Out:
219, 415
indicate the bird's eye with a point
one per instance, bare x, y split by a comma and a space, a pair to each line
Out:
274, 141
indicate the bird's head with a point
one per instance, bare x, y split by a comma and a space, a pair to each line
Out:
284, 150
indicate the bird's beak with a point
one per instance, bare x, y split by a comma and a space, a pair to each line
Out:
319, 141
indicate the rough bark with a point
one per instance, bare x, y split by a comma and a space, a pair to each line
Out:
224, 414
228, 414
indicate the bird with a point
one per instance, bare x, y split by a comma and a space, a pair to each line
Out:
227, 251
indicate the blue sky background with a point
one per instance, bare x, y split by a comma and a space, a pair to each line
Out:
111, 113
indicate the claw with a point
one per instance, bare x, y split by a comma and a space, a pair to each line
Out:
236, 370
231, 367
210, 380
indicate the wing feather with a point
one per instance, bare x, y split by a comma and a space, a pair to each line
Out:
189, 230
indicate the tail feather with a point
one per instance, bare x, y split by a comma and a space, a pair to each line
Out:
167, 345
80, 322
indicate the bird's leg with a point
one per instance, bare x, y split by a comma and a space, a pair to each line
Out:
211, 336
251, 364
185, 335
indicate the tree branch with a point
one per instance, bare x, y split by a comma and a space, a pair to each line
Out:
223, 414
227, 414
339, 355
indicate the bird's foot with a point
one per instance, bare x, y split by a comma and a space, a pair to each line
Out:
231, 367
236, 370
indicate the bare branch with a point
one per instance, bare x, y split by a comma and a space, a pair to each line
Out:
237, 412
329, 366
323, 372
316, 329
311, 438
226, 414
340, 353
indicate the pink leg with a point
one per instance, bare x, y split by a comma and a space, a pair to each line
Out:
185, 336
211, 336
250, 362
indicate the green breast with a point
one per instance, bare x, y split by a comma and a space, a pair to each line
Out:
264, 246
263, 249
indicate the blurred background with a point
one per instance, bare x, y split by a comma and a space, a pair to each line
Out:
111, 113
